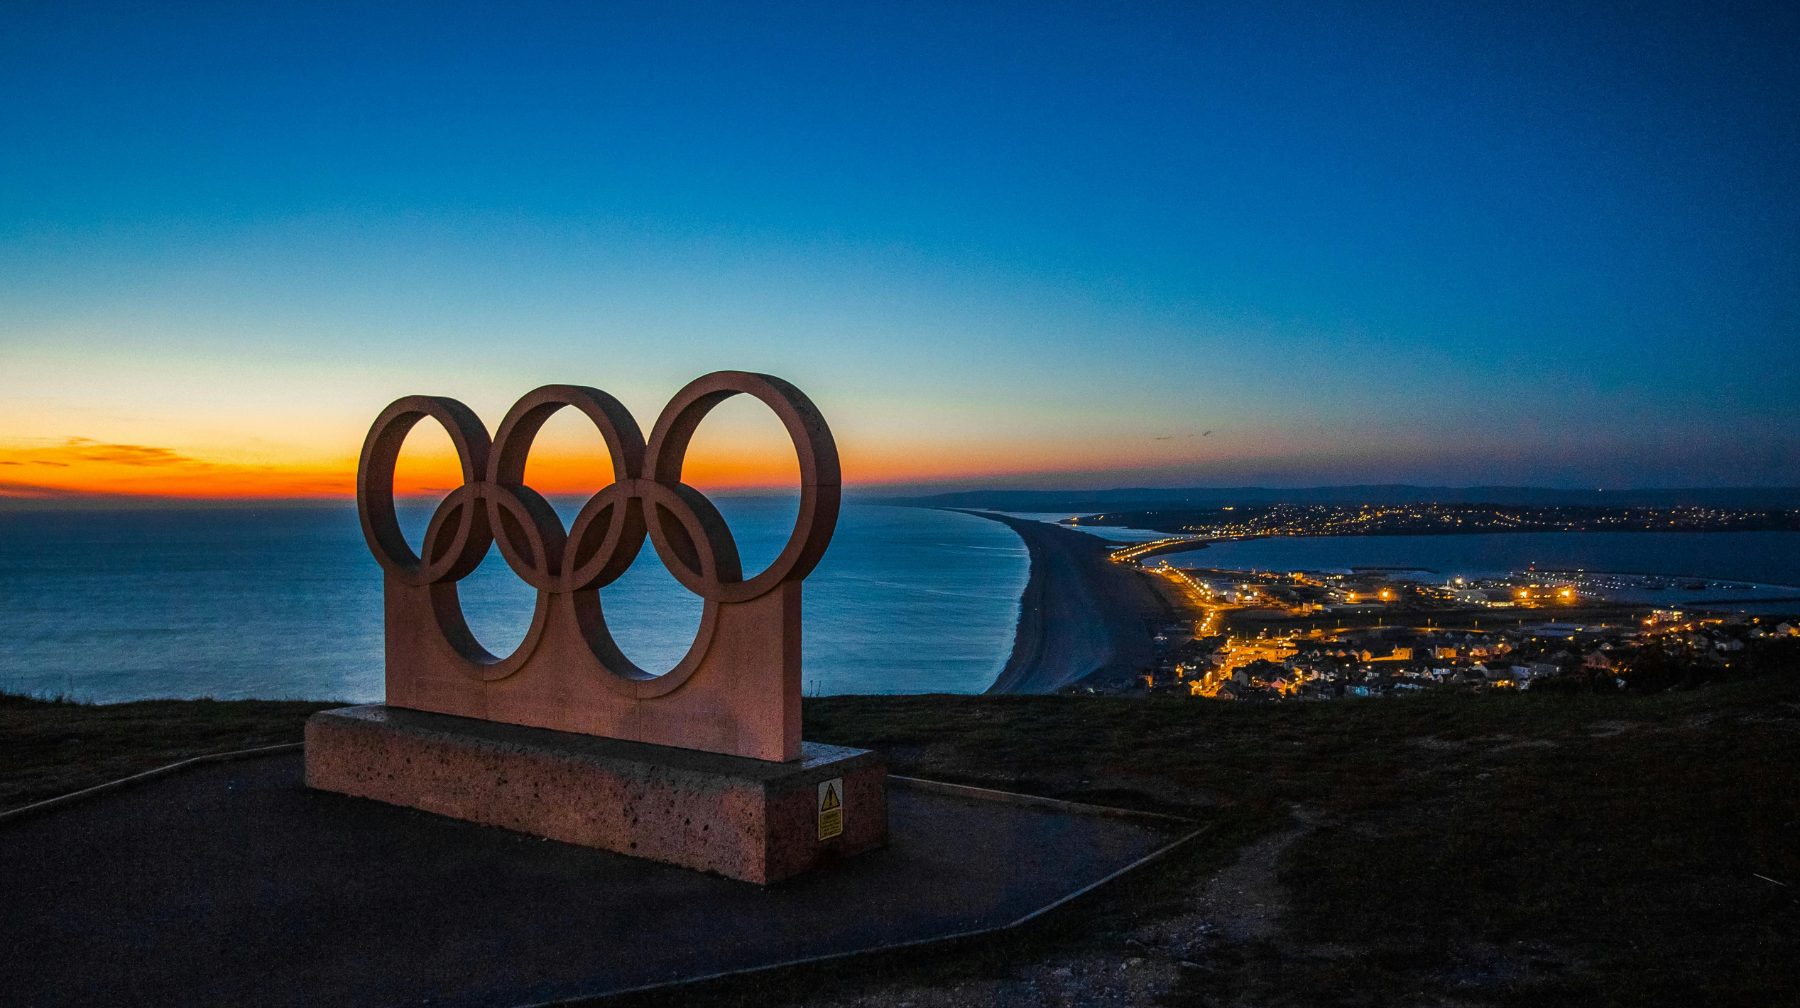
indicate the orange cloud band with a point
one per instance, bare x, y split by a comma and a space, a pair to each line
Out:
83, 466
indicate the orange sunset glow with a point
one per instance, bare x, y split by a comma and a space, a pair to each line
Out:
740, 448
82, 467
85, 467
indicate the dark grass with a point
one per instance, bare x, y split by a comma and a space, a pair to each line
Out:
54, 747
1495, 849
1512, 849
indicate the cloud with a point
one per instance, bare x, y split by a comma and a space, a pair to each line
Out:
78, 471
83, 453
89, 450
14, 490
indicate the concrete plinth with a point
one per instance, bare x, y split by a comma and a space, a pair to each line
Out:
743, 818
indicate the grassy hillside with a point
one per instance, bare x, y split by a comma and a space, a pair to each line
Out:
1509, 849
53, 747
1499, 849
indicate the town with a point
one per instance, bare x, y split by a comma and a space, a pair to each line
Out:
1307, 635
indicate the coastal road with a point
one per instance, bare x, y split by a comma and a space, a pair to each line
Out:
1160, 547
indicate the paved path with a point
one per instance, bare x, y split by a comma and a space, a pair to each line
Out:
233, 884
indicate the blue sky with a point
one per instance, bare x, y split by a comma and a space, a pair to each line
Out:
1000, 244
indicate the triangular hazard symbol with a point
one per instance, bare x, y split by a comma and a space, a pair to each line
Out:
831, 799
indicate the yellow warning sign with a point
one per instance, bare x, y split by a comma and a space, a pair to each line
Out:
831, 808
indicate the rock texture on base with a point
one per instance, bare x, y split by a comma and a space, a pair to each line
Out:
734, 816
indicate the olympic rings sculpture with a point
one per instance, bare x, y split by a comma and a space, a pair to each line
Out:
494, 506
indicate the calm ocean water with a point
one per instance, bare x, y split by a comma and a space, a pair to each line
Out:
1767, 557
287, 602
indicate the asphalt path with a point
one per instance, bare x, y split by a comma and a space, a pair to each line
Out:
233, 884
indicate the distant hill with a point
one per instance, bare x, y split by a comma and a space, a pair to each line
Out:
1146, 498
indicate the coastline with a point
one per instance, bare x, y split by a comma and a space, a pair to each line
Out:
1080, 614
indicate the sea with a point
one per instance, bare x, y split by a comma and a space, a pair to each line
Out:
1767, 557
286, 602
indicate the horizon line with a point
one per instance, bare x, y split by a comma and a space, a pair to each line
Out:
100, 501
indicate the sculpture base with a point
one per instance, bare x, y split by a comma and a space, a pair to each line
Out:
742, 818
